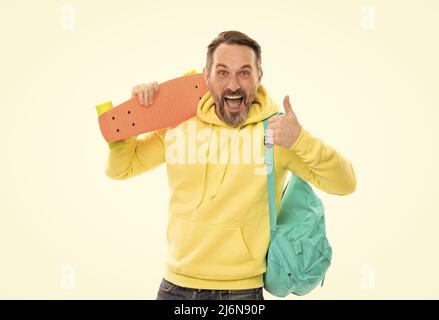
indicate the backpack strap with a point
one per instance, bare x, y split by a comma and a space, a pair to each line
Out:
269, 165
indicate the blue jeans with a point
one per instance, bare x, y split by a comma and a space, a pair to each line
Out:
170, 291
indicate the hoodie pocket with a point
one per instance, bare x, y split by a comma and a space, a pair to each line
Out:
208, 251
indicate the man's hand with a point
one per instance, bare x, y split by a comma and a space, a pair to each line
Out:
145, 93
283, 130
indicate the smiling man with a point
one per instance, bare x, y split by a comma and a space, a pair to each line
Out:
232, 84
218, 229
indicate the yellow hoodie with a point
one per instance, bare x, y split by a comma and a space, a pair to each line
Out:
218, 228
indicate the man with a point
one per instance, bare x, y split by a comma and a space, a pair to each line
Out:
218, 229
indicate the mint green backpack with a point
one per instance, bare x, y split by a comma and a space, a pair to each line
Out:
299, 253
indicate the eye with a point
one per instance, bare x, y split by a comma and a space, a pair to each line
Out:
222, 72
245, 73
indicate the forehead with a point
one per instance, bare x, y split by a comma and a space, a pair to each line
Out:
234, 56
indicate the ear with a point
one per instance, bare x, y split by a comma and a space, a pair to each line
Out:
261, 73
205, 74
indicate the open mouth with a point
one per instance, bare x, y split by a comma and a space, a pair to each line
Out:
234, 103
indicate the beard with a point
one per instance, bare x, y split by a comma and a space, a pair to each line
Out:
234, 119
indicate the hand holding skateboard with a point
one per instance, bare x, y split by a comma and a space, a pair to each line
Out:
145, 93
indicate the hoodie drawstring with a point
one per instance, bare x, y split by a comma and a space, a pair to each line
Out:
203, 189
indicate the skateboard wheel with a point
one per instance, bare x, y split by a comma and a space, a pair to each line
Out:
115, 144
104, 107
190, 72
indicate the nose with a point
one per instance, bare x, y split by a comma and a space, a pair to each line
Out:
233, 84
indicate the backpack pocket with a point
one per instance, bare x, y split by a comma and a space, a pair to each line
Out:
277, 278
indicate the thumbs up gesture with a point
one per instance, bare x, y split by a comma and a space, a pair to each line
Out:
283, 130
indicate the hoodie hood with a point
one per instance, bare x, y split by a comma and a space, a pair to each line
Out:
261, 108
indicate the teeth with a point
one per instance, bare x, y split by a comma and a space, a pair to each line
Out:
233, 97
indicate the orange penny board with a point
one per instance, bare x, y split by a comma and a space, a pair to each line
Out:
175, 102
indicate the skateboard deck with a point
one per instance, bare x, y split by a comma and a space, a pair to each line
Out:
175, 102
